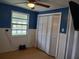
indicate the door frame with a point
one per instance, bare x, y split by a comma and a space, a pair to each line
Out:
49, 14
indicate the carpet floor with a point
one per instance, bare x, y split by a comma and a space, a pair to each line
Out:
31, 53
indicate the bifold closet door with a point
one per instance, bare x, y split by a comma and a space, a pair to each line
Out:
48, 33
39, 33
42, 32
49, 30
55, 34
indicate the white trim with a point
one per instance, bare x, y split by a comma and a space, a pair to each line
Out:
74, 45
58, 36
49, 14
36, 41
68, 32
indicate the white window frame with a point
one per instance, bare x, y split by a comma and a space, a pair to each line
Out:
27, 25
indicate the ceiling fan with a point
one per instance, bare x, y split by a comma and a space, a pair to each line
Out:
31, 4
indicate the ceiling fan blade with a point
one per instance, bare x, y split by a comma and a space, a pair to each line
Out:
21, 2
32, 0
44, 5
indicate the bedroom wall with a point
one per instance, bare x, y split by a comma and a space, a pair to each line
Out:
12, 43
7, 42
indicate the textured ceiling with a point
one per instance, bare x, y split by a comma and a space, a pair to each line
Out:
53, 3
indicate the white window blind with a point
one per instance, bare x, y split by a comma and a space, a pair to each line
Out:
19, 23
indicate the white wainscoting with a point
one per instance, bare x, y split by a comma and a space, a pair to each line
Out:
9, 43
62, 45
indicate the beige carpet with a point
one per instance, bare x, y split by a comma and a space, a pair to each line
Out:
30, 53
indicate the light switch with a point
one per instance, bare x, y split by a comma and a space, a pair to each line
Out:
62, 29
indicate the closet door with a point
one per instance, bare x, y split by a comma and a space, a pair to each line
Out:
39, 33
49, 30
48, 33
42, 32
55, 34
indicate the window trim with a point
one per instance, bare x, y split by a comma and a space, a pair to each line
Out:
20, 24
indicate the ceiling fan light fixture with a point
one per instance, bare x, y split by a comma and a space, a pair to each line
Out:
31, 5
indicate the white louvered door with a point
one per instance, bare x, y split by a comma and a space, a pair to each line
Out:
42, 32
48, 27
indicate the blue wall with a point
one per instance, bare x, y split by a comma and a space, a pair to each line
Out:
64, 17
5, 16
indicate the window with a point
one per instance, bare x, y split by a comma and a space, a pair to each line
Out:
19, 23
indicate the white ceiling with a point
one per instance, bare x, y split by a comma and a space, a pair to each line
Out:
55, 4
